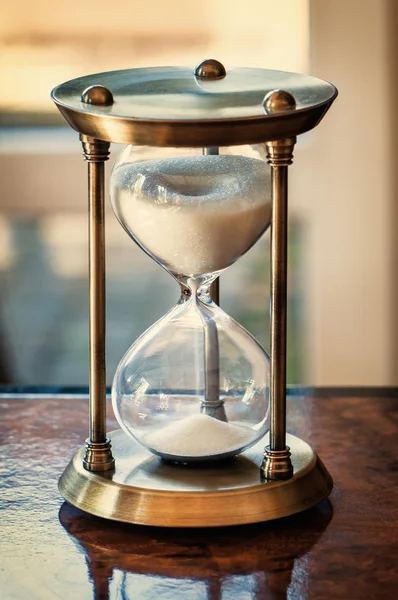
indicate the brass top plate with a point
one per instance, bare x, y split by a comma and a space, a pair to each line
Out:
170, 106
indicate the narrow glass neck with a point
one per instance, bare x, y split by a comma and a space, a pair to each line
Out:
196, 287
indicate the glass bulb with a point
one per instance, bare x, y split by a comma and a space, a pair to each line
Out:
195, 385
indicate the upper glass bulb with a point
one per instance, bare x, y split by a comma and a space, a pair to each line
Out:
195, 214
195, 386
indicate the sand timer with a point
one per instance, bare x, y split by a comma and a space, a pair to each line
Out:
202, 407
195, 386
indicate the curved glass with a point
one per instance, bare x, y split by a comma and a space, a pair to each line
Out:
195, 386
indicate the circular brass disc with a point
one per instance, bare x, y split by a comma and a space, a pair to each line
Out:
169, 106
147, 491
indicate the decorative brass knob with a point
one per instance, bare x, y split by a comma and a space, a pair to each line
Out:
278, 101
98, 95
210, 69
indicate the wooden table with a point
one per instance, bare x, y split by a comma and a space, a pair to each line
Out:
346, 549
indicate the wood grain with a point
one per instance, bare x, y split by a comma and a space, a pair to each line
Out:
345, 549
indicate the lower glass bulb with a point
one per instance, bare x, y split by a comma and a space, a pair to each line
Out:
195, 386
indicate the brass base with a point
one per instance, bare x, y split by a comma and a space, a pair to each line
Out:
147, 491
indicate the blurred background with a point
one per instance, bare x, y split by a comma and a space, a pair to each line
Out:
343, 289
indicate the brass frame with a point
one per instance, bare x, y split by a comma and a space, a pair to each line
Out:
277, 463
85, 482
98, 455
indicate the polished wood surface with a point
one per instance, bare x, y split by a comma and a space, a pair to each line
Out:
345, 549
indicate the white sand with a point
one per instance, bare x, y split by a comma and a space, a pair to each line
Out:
196, 214
199, 436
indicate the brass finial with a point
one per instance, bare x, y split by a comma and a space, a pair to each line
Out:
94, 151
98, 95
278, 101
98, 456
280, 152
277, 464
210, 69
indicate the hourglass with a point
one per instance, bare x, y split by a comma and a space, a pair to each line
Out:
195, 386
201, 405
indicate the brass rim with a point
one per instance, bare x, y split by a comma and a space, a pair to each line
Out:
248, 502
169, 106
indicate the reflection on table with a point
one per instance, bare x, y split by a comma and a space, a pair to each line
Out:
255, 561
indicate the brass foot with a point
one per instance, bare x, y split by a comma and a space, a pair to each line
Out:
277, 464
98, 456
